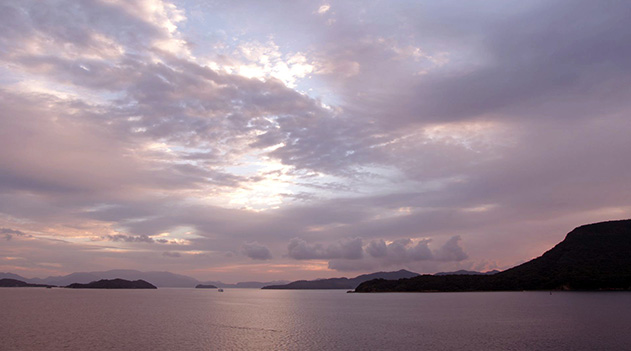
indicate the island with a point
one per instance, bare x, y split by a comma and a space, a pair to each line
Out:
114, 284
205, 286
342, 283
14, 283
591, 257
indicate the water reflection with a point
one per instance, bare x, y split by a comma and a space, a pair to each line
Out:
195, 319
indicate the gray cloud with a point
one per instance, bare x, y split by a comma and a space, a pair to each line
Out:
9, 233
348, 255
130, 238
451, 251
402, 252
299, 249
399, 251
256, 251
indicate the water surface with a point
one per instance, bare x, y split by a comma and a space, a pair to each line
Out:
244, 319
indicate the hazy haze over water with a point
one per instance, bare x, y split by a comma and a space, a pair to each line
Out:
238, 319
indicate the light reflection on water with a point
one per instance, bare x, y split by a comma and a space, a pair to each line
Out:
244, 319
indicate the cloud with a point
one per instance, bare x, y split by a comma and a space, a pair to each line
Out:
399, 251
11, 231
451, 250
173, 254
323, 9
8, 233
256, 251
299, 249
130, 238
349, 254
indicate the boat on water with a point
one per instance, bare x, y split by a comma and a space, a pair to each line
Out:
220, 290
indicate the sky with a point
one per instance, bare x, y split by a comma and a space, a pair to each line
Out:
262, 140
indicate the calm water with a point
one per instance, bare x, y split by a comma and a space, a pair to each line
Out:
241, 319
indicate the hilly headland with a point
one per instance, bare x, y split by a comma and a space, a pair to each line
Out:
591, 257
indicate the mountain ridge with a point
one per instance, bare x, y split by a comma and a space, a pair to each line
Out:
591, 257
341, 283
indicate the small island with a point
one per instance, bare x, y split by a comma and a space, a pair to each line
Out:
205, 286
114, 284
14, 283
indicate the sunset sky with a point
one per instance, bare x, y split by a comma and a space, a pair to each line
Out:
261, 140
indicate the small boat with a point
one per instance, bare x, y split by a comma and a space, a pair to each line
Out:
220, 290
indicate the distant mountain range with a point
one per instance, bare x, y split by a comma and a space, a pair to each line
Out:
159, 279
168, 279
342, 283
592, 257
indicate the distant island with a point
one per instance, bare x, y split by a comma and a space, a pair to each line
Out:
205, 286
592, 257
246, 285
159, 279
342, 283
114, 284
14, 283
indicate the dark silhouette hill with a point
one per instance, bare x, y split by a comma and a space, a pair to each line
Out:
592, 257
14, 283
342, 283
465, 272
205, 286
114, 284
161, 279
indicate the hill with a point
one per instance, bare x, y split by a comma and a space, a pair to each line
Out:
205, 286
114, 284
14, 283
342, 283
161, 279
591, 257
465, 272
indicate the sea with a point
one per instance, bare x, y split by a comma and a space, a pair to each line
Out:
251, 319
